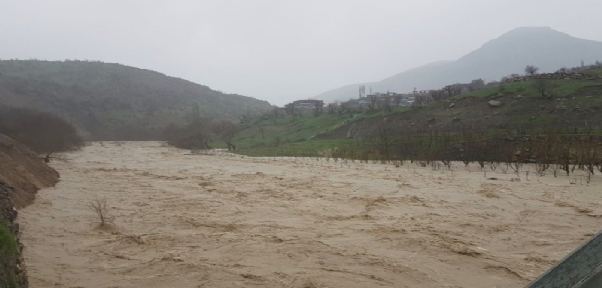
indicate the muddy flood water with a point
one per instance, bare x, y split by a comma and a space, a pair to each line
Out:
231, 221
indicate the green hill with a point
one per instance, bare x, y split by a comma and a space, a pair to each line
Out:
112, 101
568, 103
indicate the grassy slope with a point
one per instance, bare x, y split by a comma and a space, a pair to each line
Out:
293, 136
8, 246
288, 135
298, 135
533, 109
8, 254
560, 88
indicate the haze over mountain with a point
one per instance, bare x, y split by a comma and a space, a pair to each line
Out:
543, 47
112, 101
277, 51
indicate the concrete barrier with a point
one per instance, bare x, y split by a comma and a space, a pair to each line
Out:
580, 269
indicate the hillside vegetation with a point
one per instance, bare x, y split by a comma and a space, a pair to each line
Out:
112, 101
569, 104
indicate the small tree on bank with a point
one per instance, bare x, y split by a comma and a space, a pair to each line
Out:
542, 85
225, 130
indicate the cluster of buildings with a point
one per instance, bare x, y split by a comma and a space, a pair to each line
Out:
307, 104
390, 99
376, 100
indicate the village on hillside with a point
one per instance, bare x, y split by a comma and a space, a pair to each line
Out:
371, 102
387, 100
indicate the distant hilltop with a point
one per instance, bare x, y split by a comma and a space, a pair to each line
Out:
543, 47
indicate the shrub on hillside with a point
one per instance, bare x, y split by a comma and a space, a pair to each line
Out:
42, 132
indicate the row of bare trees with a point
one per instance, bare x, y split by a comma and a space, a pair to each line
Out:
553, 150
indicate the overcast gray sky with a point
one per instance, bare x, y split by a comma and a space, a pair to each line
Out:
277, 50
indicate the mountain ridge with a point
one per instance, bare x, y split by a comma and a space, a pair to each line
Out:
509, 53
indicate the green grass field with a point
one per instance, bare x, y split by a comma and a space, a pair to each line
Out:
289, 135
285, 130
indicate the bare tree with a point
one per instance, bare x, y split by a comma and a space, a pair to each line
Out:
100, 207
226, 130
542, 85
531, 70
383, 141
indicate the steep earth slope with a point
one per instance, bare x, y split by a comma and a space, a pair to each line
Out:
22, 173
